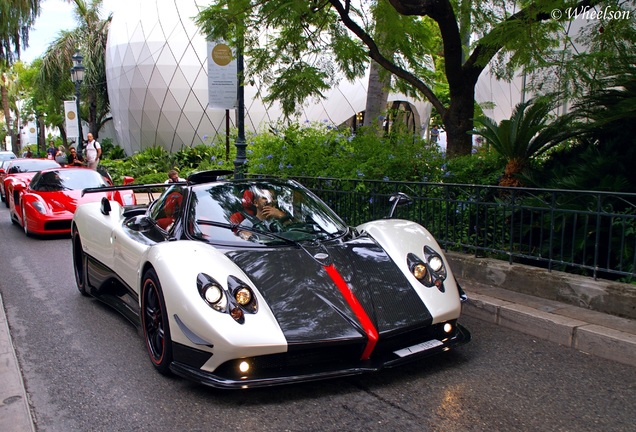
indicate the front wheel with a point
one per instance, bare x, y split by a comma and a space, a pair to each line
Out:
154, 321
24, 221
79, 262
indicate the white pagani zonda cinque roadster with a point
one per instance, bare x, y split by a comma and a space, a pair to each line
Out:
248, 283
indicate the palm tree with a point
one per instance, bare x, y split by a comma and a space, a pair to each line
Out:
17, 18
90, 38
605, 157
527, 134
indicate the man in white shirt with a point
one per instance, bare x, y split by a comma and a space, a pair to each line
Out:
93, 152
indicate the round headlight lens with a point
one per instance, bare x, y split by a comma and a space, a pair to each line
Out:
213, 294
419, 271
243, 296
436, 263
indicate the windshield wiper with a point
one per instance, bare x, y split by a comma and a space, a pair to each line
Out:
245, 228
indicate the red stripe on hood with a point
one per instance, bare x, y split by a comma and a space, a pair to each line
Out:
358, 310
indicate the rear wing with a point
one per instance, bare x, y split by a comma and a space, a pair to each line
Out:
194, 178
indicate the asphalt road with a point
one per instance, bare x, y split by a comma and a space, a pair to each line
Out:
86, 369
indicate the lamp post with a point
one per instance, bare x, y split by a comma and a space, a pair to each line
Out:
77, 75
241, 159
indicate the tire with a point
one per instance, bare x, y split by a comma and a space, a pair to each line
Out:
154, 323
80, 262
25, 225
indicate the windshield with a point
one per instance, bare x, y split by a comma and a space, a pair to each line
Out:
67, 179
30, 165
261, 212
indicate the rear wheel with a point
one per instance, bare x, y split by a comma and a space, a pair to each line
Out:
79, 262
154, 321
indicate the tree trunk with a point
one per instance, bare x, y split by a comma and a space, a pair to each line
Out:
377, 96
7, 114
458, 120
93, 126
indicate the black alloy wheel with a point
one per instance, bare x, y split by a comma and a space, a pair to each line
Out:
79, 262
154, 321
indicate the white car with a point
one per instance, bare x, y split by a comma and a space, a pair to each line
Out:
248, 283
5, 155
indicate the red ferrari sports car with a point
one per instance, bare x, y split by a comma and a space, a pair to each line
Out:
21, 171
46, 205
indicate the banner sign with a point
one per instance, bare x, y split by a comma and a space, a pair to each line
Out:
33, 132
222, 76
70, 114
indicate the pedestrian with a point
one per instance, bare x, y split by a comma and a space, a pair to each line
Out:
93, 152
28, 153
51, 151
173, 177
434, 134
60, 156
74, 159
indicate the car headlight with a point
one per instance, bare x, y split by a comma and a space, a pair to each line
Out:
243, 296
419, 271
235, 300
212, 292
39, 207
436, 263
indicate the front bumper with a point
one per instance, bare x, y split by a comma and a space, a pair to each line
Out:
315, 362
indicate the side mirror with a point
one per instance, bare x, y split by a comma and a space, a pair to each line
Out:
105, 207
2, 171
128, 180
398, 199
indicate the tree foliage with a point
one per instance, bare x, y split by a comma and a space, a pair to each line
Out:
298, 49
527, 134
89, 38
17, 18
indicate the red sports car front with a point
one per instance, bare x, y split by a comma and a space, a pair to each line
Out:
47, 204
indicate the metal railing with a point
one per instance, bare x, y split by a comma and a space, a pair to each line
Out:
584, 232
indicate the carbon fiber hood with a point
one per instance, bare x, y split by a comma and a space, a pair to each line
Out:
309, 306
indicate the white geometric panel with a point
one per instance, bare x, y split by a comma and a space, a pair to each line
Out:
156, 67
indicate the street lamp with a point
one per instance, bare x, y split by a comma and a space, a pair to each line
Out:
241, 159
77, 75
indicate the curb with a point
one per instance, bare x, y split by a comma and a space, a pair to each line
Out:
563, 324
15, 414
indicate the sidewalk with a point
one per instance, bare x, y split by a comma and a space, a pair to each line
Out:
595, 333
15, 415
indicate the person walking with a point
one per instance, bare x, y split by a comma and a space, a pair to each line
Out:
93, 152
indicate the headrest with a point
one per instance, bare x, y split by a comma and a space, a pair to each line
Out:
248, 200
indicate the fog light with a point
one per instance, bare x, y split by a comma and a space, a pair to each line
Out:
244, 367
448, 327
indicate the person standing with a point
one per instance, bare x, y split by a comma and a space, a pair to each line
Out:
51, 151
93, 152
435, 134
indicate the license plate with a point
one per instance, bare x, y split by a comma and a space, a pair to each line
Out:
418, 348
